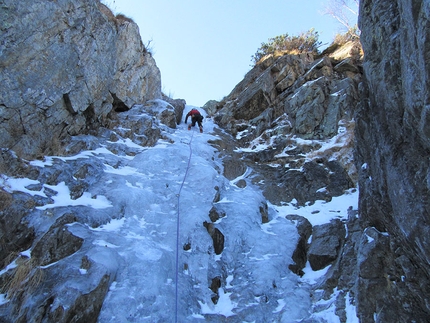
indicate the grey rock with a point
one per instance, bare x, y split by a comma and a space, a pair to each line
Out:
57, 243
316, 181
392, 155
326, 242
140, 128
280, 100
74, 58
241, 183
214, 287
215, 214
165, 113
347, 65
233, 167
300, 255
87, 306
178, 105
211, 107
15, 234
217, 196
80, 306
264, 211
294, 85
217, 237
343, 272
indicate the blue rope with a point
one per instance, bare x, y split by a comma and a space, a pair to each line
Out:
177, 232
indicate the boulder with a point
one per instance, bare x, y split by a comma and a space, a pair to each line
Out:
139, 127
233, 167
178, 105
217, 237
57, 243
326, 242
211, 107
78, 298
215, 214
86, 308
15, 234
161, 110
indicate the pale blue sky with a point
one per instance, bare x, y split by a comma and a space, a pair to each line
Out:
204, 47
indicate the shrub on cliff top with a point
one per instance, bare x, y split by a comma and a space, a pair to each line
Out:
283, 44
123, 18
352, 34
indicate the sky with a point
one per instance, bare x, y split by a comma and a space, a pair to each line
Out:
203, 48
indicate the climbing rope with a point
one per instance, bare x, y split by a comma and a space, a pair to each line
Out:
177, 230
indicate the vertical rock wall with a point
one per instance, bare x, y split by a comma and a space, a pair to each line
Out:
393, 149
63, 66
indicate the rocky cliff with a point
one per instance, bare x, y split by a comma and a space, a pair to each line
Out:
293, 105
393, 161
65, 66
383, 261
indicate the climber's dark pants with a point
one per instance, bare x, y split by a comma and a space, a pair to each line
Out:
197, 119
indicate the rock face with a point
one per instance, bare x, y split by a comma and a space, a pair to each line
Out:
66, 65
392, 155
282, 114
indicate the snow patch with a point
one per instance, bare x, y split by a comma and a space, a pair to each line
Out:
112, 226
49, 160
63, 199
225, 305
322, 212
281, 305
350, 309
11, 184
3, 299
312, 277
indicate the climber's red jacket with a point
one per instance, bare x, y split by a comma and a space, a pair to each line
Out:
194, 113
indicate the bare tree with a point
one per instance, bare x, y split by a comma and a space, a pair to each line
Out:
344, 11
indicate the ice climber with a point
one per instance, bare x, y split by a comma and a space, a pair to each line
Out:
195, 117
